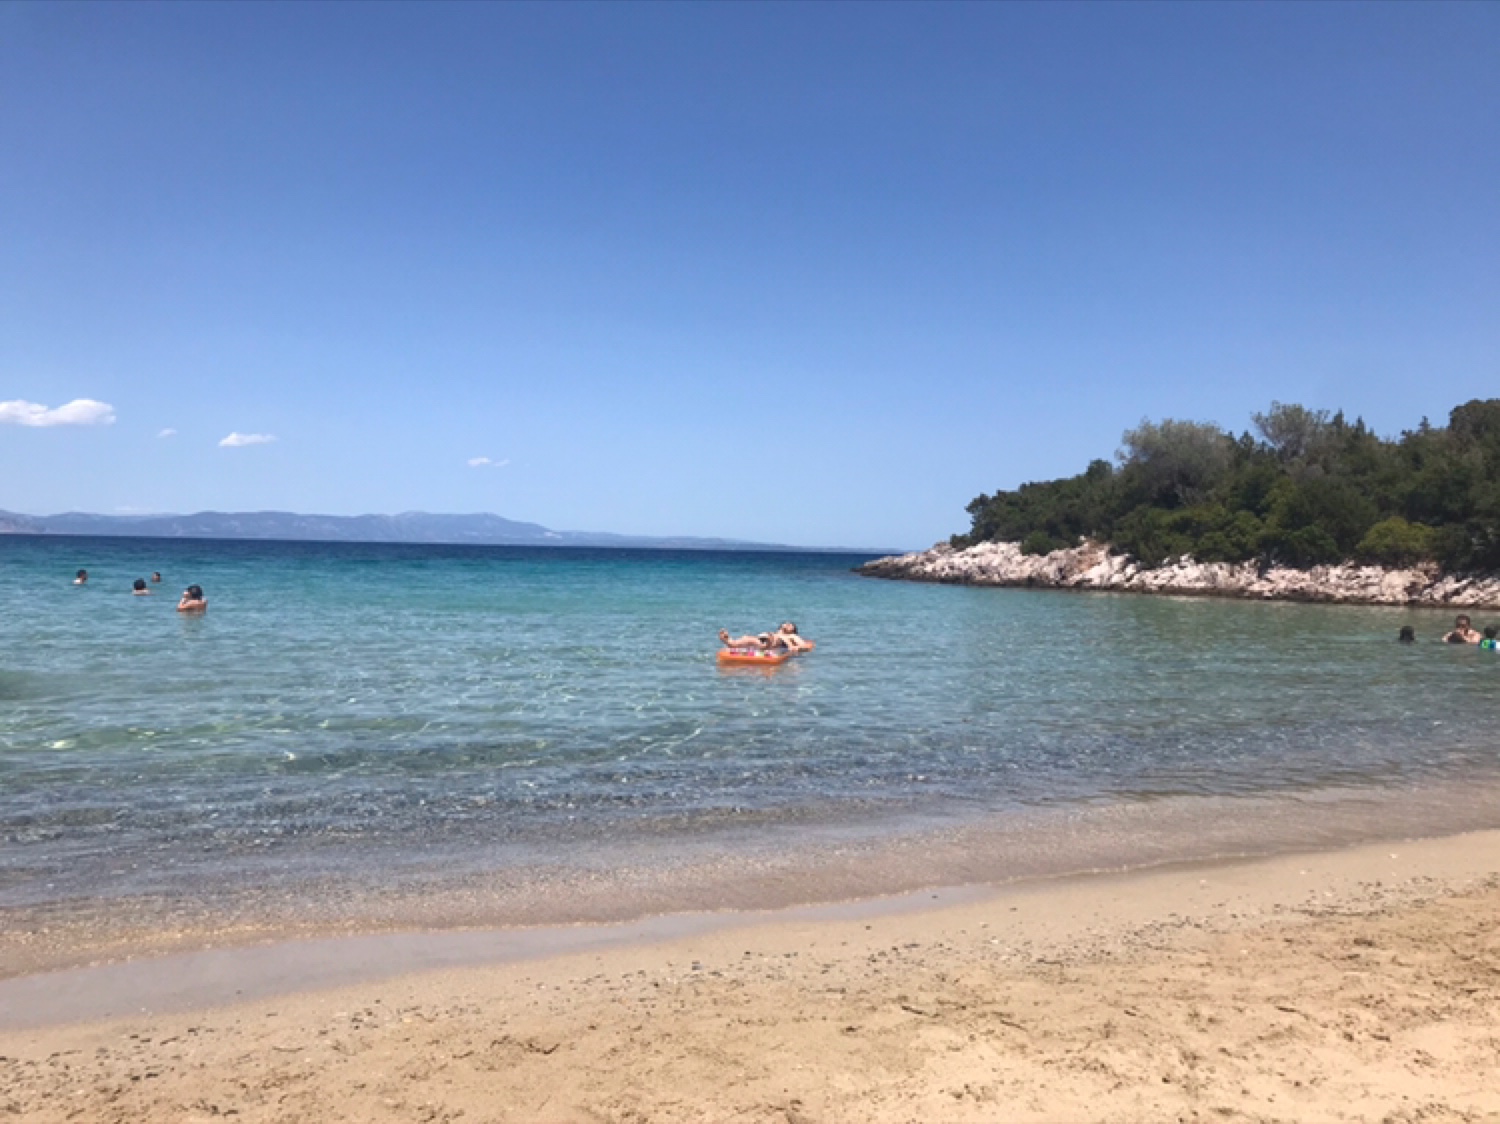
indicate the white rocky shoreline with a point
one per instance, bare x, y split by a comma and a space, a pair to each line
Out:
1093, 567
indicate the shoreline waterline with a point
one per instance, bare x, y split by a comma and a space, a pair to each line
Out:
662, 884
1094, 568
1385, 874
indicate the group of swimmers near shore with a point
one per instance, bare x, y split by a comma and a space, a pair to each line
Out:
192, 600
1463, 632
786, 637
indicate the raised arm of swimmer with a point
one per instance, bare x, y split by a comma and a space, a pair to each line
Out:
193, 600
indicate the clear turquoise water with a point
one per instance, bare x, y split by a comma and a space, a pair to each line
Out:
344, 711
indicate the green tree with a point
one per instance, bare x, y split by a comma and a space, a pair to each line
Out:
1176, 462
1292, 431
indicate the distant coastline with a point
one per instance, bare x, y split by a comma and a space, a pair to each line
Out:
1093, 567
408, 527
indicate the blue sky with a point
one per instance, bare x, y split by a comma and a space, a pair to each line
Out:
815, 274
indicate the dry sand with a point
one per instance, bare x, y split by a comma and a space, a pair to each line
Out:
1356, 985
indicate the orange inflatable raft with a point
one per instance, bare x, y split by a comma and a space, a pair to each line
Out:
754, 657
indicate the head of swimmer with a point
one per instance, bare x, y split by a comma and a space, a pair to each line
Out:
788, 628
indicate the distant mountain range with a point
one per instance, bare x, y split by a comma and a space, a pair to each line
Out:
409, 526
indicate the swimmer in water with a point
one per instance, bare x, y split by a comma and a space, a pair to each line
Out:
139, 588
1489, 643
1408, 635
193, 600
156, 576
82, 578
1463, 631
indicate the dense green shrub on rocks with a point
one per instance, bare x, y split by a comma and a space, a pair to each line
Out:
1040, 542
1395, 542
1308, 487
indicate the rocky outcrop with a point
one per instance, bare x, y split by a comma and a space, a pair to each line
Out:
1094, 567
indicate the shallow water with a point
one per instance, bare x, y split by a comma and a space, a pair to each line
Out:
351, 715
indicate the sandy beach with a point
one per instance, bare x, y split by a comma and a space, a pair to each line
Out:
1352, 985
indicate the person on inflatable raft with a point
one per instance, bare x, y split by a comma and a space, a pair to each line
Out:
786, 636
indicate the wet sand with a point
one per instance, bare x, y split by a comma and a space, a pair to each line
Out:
1360, 984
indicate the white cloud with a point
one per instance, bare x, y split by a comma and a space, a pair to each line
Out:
80, 411
485, 462
236, 440
168, 432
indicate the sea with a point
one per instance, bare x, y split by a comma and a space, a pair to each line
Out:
391, 735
